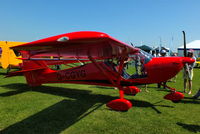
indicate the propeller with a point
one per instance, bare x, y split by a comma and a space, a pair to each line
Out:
132, 44
184, 44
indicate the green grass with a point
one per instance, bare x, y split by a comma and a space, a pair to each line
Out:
81, 109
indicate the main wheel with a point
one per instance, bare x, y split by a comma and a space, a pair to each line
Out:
131, 90
119, 105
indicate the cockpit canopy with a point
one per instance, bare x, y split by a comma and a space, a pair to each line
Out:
134, 65
134, 68
142, 56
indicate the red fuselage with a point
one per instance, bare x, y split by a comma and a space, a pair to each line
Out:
157, 70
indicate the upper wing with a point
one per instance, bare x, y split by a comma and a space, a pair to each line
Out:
78, 45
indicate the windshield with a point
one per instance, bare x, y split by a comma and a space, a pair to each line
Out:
142, 56
134, 67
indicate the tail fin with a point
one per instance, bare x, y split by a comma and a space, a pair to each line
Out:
33, 69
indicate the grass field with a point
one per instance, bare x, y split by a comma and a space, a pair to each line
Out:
81, 109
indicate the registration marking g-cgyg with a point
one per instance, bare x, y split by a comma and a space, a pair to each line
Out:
71, 74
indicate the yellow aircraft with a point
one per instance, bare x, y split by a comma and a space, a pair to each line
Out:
198, 62
8, 57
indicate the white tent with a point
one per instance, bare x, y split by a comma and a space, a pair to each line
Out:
194, 45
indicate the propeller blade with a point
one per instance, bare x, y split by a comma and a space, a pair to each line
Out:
185, 53
185, 49
132, 44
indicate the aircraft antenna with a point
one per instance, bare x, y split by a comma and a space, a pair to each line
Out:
160, 44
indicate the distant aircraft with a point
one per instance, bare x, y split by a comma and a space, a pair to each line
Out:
198, 62
9, 58
107, 62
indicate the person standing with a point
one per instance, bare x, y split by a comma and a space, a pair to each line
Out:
153, 53
163, 53
175, 77
188, 72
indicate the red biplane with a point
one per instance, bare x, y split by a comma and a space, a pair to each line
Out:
105, 61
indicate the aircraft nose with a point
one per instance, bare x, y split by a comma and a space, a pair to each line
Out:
188, 60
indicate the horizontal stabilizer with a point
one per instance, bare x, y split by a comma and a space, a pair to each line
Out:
20, 73
54, 59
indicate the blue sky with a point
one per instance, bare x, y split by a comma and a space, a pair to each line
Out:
136, 21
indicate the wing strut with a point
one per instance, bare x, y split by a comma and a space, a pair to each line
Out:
102, 70
117, 82
121, 65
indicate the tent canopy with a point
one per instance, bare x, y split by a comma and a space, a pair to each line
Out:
162, 48
195, 45
145, 48
192, 45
